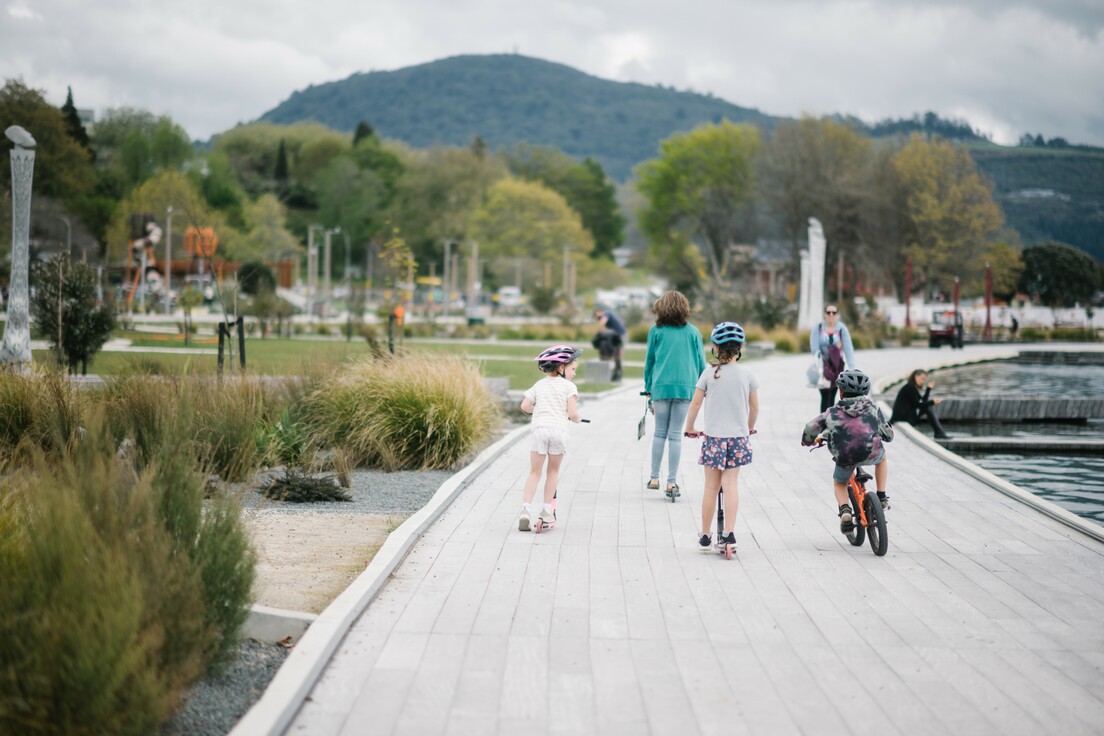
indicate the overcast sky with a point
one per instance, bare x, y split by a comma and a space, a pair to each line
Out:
1007, 66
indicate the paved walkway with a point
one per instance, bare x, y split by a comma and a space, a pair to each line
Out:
985, 617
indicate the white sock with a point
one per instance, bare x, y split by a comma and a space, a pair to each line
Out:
547, 507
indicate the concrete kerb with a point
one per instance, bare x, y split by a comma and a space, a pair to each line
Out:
1011, 490
272, 714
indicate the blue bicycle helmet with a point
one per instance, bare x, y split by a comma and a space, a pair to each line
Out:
727, 332
853, 382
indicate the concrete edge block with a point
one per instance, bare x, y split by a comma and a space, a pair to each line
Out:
272, 625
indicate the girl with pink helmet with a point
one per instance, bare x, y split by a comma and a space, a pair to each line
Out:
553, 403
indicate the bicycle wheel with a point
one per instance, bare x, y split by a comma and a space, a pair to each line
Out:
857, 535
875, 516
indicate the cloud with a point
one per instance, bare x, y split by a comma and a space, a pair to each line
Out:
1007, 66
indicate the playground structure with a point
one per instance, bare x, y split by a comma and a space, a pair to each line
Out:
146, 275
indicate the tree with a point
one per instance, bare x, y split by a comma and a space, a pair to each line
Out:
267, 238
66, 291
255, 277
949, 211
694, 193
584, 185
170, 188
281, 172
526, 224
1006, 266
63, 169
74, 125
133, 145
1060, 275
824, 169
437, 194
363, 131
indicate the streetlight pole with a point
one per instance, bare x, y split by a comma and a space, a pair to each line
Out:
348, 265
446, 277
168, 258
312, 267
68, 235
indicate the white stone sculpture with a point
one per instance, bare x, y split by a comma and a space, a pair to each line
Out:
15, 352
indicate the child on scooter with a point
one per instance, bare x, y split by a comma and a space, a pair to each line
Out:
855, 430
552, 401
730, 393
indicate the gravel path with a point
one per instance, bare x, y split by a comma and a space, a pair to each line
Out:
215, 704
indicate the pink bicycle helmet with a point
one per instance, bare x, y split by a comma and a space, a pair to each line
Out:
557, 355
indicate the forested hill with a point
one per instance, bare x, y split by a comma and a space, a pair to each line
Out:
506, 99
1049, 190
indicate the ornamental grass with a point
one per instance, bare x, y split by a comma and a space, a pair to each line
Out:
412, 412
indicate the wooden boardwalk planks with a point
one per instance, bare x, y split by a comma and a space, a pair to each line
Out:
983, 618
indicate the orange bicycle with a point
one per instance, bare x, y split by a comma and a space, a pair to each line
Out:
869, 520
869, 517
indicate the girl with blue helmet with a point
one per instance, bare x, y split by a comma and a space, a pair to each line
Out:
730, 394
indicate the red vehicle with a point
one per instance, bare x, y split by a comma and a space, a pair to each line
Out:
945, 329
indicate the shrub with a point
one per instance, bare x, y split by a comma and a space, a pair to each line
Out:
412, 412
286, 441
1074, 334
785, 340
119, 589
639, 333
1033, 334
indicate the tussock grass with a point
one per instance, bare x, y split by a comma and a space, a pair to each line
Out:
413, 412
226, 425
40, 410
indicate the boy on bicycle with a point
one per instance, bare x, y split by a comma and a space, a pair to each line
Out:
854, 429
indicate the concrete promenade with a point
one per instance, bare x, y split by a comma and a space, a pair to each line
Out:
985, 617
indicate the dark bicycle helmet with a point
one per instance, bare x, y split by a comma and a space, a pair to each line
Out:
557, 355
727, 332
853, 382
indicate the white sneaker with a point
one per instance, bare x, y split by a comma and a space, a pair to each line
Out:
547, 517
523, 520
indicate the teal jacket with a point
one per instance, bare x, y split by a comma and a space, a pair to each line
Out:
674, 361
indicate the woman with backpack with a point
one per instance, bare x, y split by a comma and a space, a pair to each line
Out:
830, 342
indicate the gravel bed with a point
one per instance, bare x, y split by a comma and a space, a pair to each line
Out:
373, 492
215, 704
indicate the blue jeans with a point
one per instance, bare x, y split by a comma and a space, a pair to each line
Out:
670, 414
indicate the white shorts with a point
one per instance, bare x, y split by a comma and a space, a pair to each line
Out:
545, 441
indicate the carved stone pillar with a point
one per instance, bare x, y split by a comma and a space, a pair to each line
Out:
15, 352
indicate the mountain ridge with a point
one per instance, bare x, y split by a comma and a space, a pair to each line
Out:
509, 98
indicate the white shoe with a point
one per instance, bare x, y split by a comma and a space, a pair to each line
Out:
523, 520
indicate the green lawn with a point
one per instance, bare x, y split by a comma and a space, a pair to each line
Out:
290, 357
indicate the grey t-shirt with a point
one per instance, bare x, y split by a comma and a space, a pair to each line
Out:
726, 399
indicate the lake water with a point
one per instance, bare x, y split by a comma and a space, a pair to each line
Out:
1074, 482
1027, 379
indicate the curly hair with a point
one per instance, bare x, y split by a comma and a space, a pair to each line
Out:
672, 309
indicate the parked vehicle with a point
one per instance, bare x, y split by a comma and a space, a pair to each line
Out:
945, 329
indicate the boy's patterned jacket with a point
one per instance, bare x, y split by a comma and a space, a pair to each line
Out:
854, 429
